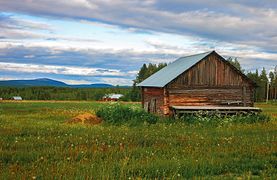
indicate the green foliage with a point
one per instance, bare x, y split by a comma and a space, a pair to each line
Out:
119, 114
147, 70
235, 63
261, 80
144, 72
58, 93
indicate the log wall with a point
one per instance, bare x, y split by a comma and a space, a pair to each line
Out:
211, 97
210, 82
153, 99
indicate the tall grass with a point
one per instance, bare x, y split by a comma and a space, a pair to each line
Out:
35, 143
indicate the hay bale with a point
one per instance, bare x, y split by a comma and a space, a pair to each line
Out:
85, 118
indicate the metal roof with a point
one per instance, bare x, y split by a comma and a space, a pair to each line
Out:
17, 98
113, 96
172, 70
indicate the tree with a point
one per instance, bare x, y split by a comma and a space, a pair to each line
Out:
264, 82
235, 63
147, 70
141, 74
255, 77
144, 72
261, 80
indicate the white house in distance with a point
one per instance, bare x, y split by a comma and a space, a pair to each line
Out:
17, 98
112, 97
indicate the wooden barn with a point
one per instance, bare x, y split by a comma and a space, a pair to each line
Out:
203, 81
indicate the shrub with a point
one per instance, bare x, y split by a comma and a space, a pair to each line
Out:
120, 114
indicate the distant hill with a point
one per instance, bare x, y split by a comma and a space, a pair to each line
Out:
92, 86
48, 82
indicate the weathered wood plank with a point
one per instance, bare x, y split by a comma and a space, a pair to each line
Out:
212, 71
154, 94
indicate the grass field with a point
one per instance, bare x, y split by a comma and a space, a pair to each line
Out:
35, 143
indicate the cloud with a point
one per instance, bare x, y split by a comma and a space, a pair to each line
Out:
117, 37
236, 22
117, 81
12, 22
65, 70
74, 82
124, 60
14, 28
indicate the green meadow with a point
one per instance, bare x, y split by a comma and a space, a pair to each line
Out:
36, 143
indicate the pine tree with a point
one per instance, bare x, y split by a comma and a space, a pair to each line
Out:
144, 72
235, 63
263, 83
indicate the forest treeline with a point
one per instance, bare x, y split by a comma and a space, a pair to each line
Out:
267, 87
133, 93
62, 93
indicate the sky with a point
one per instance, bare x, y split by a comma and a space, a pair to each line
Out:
107, 41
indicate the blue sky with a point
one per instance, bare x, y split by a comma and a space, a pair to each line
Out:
107, 41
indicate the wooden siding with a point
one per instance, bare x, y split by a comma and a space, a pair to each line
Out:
153, 96
210, 97
211, 82
209, 72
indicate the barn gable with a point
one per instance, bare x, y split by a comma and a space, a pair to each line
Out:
182, 65
211, 71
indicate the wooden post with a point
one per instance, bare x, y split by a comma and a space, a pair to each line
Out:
267, 91
165, 103
275, 93
142, 97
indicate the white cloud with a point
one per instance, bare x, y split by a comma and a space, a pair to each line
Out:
244, 29
65, 70
74, 82
117, 81
240, 21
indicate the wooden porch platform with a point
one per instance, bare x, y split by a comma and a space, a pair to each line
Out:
177, 110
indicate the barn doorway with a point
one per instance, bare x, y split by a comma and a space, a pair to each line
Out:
151, 106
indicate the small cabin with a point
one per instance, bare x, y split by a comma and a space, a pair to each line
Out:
17, 98
112, 97
200, 81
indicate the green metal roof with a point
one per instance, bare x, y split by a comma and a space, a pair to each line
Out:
172, 70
